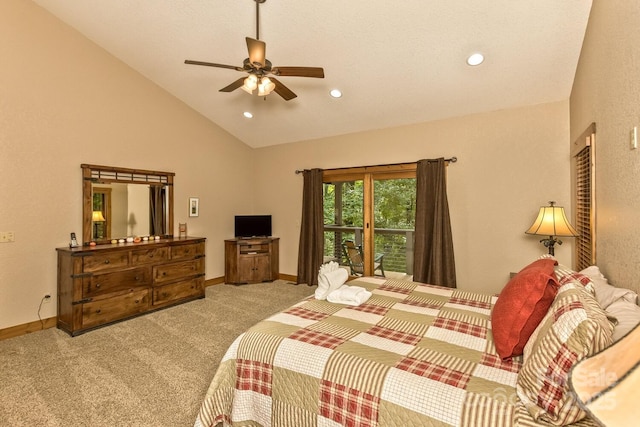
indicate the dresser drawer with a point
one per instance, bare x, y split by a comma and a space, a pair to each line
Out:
98, 284
107, 310
177, 291
149, 255
177, 270
187, 251
106, 261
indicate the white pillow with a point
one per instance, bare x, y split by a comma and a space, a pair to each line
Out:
605, 293
627, 314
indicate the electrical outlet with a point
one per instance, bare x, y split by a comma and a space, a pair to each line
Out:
46, 298
7, 237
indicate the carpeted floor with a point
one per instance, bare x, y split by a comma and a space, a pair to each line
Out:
149, 371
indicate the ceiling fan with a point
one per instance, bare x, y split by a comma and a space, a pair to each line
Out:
260, 68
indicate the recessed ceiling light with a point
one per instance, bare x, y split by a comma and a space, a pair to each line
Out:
335, 93
475, 59
248, 115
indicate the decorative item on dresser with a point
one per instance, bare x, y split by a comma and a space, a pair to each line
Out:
98, 285
251, 260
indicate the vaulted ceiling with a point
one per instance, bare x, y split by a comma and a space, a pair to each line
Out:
396, 63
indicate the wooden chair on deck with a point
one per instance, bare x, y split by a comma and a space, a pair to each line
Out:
355, 258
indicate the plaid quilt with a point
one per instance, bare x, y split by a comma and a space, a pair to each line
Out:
412, 355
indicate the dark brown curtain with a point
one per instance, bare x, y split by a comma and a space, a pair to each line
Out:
157, 207
433, 254
311, 230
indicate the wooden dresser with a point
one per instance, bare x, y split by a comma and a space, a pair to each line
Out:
103, 284
252, 260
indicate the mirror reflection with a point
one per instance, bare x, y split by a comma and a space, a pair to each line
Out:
123, 202
120, 210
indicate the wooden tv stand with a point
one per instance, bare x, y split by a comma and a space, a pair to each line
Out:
251, 260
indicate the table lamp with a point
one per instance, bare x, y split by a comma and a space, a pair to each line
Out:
96, 217
552, 222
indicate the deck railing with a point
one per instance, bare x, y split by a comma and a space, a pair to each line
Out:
395, 243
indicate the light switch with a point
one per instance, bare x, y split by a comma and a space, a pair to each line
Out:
634, 138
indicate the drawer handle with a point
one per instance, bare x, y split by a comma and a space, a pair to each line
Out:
98, 311
97, 285
137, 301
151, 256
137, 278
106, 261
164, 273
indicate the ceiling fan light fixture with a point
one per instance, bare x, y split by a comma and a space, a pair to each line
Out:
266, 86
250, 83
258, 66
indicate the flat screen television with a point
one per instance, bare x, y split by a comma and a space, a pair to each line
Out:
253, 225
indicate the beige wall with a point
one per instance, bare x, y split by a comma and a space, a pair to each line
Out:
63, 102
509, 164
607, 91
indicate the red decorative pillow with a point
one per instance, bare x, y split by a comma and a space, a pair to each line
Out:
521, 305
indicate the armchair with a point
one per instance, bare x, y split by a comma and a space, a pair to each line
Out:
355, 258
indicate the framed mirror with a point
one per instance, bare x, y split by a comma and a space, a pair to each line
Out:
120, 202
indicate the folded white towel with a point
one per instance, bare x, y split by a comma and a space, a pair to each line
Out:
336, 278
350, 295
323, 287
330, 278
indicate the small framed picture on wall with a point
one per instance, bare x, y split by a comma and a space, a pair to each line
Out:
194, 206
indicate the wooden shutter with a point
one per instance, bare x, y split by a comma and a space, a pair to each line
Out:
584, 198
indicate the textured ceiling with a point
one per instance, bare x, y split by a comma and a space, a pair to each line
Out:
397, 63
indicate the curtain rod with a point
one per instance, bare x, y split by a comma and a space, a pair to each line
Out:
449, 160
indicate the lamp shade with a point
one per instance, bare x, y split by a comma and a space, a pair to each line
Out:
97, 216
250, 83
552, 221
265, 87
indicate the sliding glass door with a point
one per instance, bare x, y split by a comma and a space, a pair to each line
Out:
374, 208
343, 217
394, 214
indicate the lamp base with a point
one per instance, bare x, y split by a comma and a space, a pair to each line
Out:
550, 243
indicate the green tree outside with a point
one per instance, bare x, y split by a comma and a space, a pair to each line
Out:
394, 209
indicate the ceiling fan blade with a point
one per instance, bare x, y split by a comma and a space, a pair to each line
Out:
211, 64
257, 51
233, 86
317, 72
282, 90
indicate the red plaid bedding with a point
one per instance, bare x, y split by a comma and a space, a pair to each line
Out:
412, 355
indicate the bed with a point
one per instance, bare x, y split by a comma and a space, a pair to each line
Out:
411, 355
